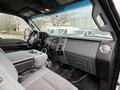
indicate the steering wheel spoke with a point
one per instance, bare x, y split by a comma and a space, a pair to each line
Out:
36, 39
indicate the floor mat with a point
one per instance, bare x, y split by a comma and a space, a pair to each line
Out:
90, 82
66, 74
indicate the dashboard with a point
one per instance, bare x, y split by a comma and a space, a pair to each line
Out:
56, 43
77, 53
86, 55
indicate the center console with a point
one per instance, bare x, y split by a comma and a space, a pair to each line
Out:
26, 60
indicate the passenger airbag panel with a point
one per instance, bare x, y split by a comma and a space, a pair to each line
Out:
82, 54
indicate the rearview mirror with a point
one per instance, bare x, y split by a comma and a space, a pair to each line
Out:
27, 32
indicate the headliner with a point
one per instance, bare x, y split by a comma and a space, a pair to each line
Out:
18, 7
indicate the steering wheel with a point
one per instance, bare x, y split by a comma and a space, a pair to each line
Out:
36, 39
43, 36
33, 39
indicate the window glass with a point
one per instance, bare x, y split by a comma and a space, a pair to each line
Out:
117, 5
75, 23
12, 27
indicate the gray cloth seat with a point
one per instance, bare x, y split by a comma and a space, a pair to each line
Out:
39, 58
43, 79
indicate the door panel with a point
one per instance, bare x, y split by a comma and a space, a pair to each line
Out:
10, 45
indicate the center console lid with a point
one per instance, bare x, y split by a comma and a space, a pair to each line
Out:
24, 60
19, 56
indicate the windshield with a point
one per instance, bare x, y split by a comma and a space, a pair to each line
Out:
77, 22
54, 31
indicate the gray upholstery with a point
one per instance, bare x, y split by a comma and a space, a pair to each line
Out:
18, 56
8, 66
8, 74
44, 79
39, 57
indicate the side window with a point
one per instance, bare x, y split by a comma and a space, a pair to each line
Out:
12, 27
117, 5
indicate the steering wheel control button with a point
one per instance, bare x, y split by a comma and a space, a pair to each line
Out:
105, 48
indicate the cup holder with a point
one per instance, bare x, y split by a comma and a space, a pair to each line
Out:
44, 50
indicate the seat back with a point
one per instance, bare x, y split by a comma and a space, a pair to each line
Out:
8, 75
7, 64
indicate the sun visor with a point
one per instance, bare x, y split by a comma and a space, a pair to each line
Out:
63, 2
29, 12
